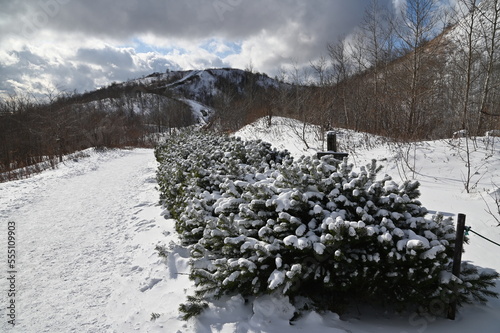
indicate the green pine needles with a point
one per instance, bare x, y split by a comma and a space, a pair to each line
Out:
258, 221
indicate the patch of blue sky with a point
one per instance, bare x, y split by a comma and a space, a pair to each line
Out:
141, 47
221, 48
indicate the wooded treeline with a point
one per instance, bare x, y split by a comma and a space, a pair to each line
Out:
420, 74
34, 132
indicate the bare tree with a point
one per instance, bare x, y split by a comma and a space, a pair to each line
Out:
279, 98
415, 25
341, 69
320, 69
378, 49
301, 104
321, 101
490, 25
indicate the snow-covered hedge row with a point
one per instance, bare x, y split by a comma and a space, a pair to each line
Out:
257, 221
193, 165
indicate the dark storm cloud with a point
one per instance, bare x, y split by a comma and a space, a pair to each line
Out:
271, 33
106, 57
27, 58
235, 19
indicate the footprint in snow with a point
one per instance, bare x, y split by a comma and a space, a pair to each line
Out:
151, 284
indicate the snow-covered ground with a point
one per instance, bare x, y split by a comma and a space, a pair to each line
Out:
200, 112
86, 235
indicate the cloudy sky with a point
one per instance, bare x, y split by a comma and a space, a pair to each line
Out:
83, 44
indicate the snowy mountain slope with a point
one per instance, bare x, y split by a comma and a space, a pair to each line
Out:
209, 77
143, 104
160, 92
148, 104
88, 231
198, 84
202, 113
194, 88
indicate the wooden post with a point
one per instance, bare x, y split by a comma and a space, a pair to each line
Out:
331, 141
331, 147
457, 259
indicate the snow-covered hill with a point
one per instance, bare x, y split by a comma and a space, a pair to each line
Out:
86, 235
198, 82
193, 88
152, 106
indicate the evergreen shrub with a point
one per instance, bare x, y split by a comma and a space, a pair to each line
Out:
257, 221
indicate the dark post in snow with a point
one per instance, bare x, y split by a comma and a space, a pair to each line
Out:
457, 259
331, 141
331, 147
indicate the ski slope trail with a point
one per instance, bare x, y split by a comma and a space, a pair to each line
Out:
74, 227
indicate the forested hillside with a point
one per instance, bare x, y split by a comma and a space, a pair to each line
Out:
418, 74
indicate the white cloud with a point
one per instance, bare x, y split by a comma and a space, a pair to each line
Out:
8, 58
83, 44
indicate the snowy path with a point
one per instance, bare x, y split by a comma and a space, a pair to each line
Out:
71, 236
86, 259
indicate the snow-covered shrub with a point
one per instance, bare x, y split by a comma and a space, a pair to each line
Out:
314, 228
193, 165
